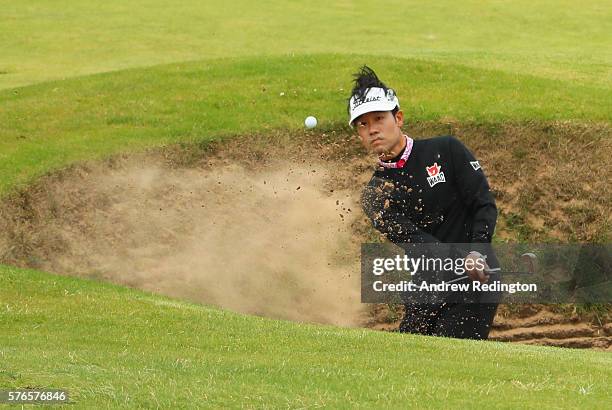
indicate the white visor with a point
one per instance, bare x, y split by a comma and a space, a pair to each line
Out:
375, 100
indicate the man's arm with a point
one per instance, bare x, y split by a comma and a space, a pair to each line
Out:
404, 233
398, 229
474, 191
476, 195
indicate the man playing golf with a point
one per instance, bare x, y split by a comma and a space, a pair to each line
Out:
438, 194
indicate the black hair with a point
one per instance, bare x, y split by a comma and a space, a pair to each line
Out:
364, 79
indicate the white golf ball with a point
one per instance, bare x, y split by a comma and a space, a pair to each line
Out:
310, 122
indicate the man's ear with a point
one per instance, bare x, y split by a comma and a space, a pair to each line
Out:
399, 118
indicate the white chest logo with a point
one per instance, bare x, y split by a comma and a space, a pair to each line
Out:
435, 175
475, 165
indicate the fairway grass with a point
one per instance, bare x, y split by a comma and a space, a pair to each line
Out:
114, 346
558, 39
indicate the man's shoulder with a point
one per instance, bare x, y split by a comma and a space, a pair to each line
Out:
440, 139
438, 142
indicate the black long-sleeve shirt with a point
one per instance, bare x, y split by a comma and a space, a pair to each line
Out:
440, 195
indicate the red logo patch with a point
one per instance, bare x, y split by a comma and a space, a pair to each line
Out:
435, 174
433, 170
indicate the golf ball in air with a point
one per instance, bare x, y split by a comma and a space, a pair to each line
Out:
310, 122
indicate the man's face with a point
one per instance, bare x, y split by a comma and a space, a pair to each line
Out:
380, 131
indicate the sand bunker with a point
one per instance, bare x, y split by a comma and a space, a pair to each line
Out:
272, 225
273, 241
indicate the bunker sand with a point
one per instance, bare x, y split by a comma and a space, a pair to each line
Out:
271, 224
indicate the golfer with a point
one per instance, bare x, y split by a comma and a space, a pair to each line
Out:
439, 194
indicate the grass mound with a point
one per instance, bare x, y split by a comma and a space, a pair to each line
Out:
53, 124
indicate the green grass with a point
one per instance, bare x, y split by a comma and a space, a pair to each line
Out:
562, 39
112, 346
52, 124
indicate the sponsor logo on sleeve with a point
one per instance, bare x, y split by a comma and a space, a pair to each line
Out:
475, 165
435, 174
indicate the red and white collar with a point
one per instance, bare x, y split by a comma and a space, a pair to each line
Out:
400, 163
